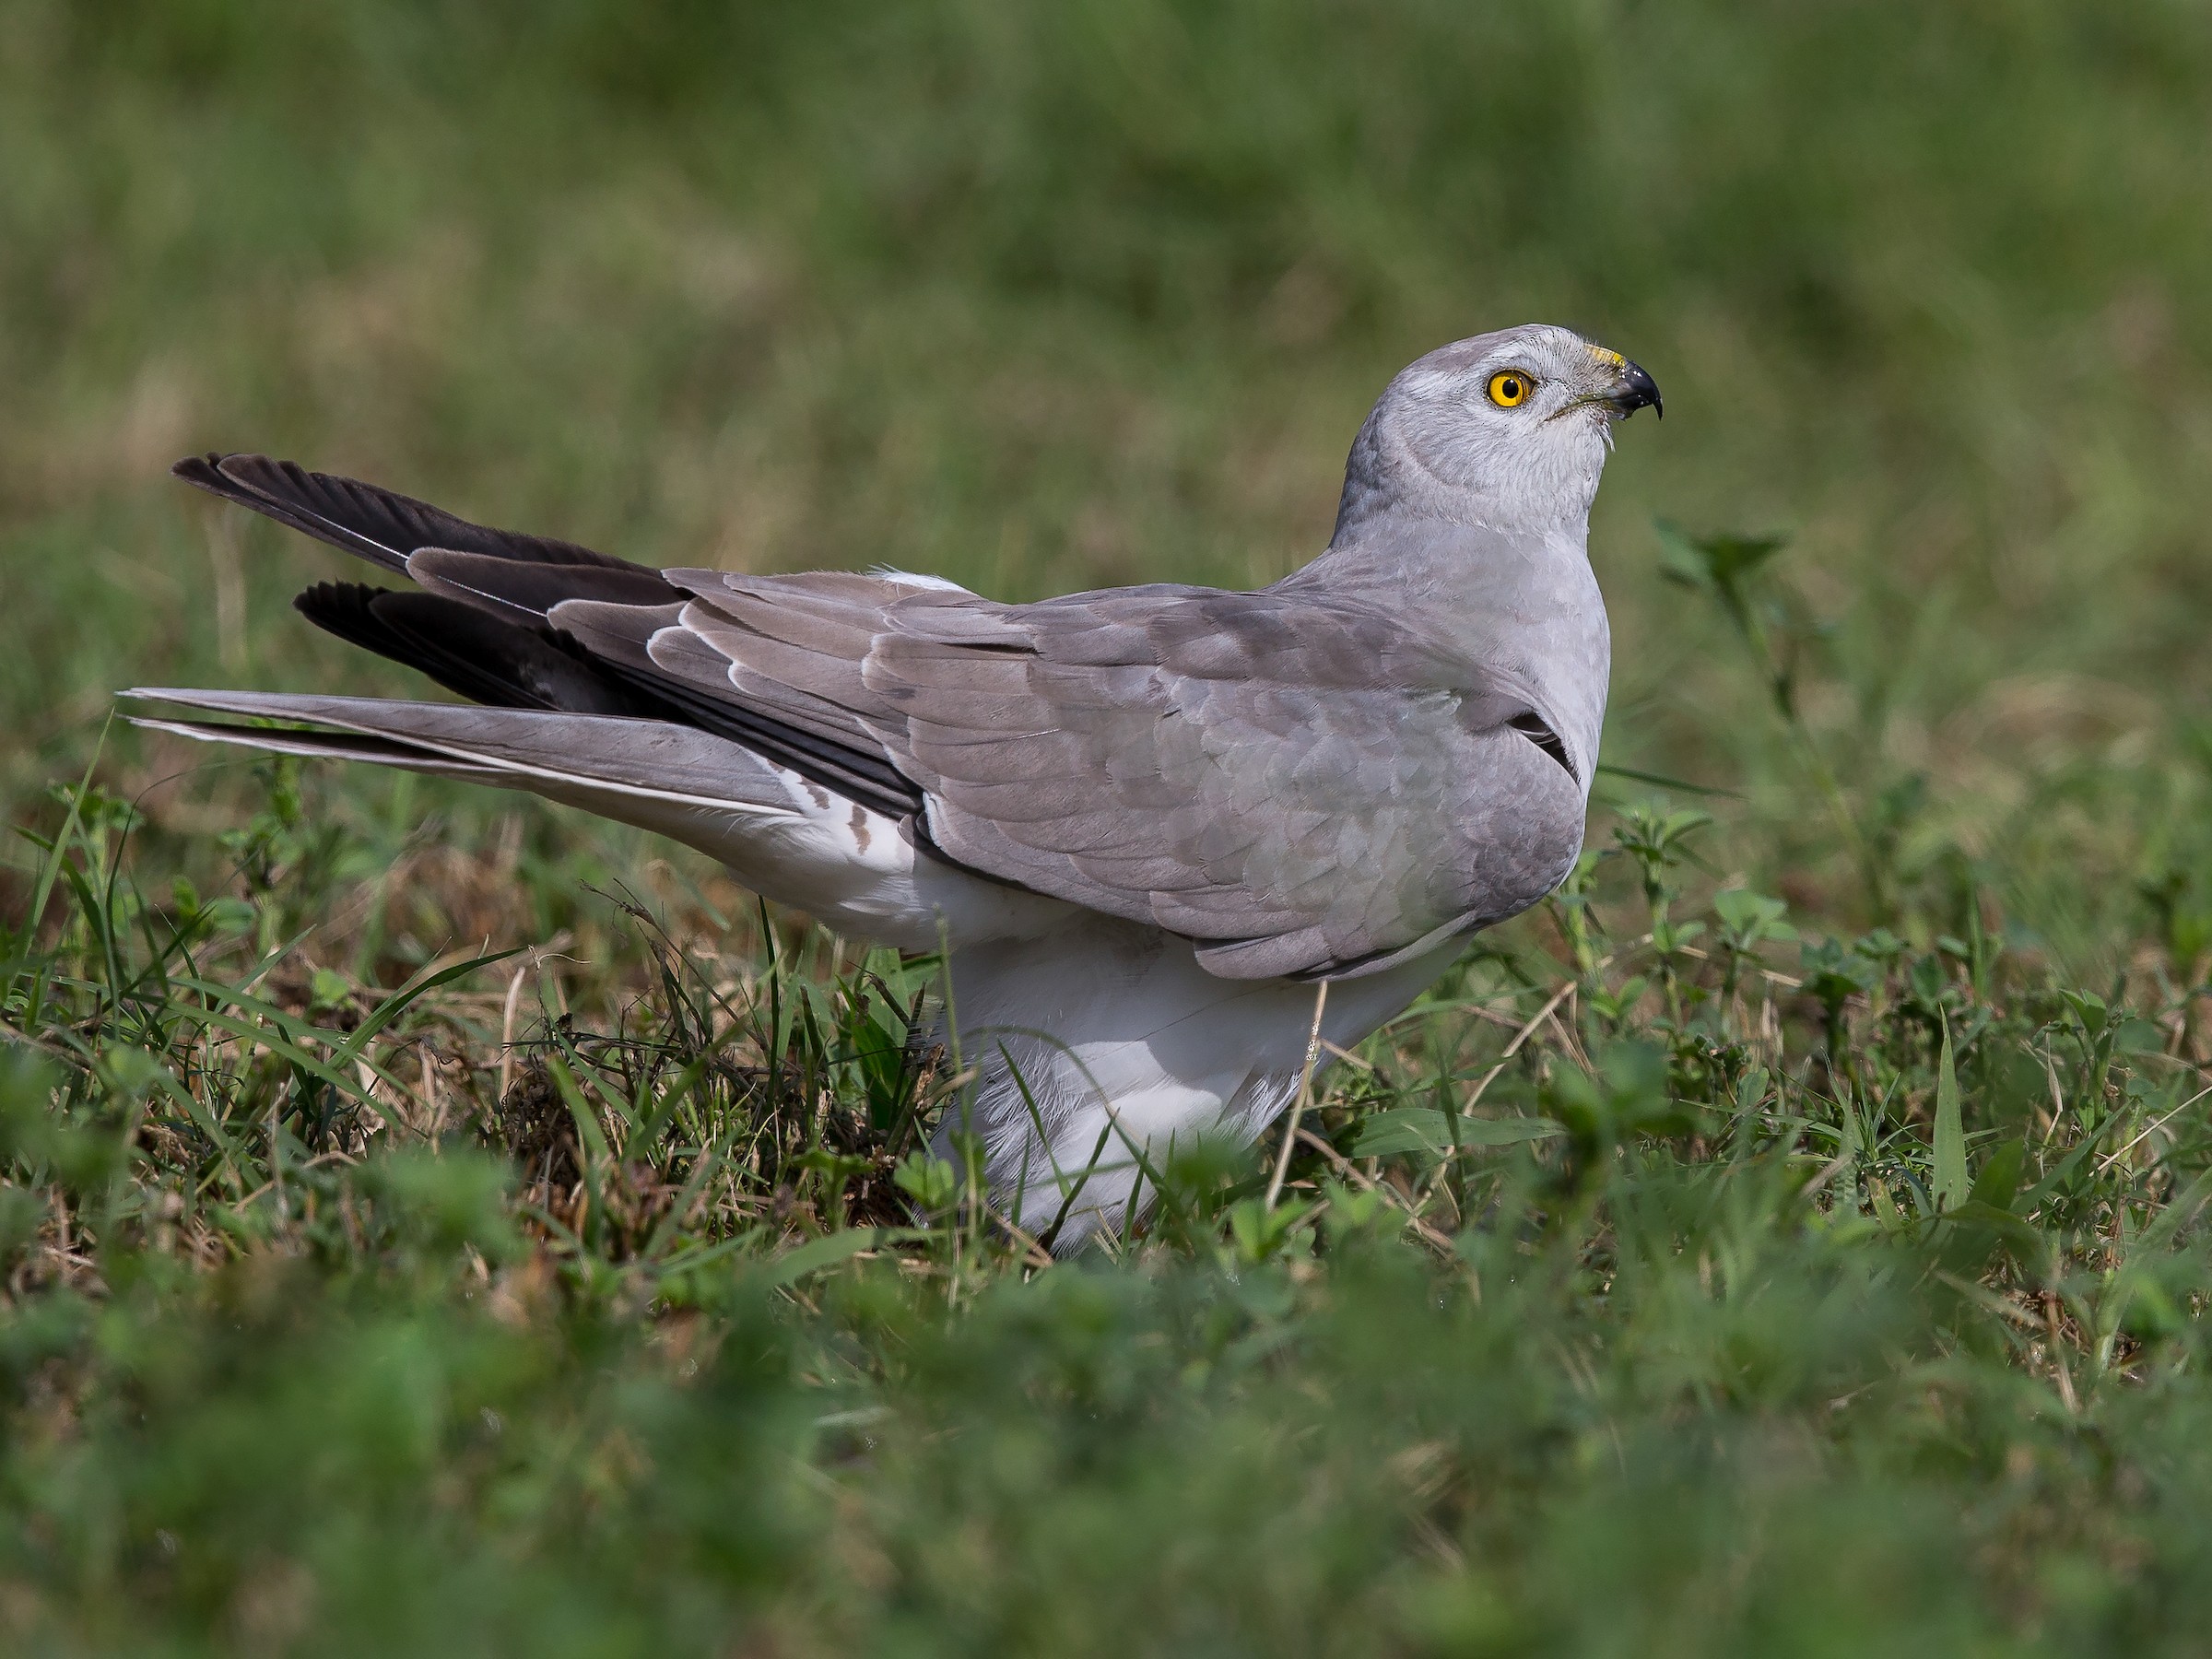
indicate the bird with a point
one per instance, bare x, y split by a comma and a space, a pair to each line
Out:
1171, 840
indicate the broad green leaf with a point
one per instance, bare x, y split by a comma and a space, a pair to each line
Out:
1999, 1181
1720, 560
826, 1251
929, 1182
1972, 1231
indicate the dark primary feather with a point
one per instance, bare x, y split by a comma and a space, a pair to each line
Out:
1301, 783
478, 577
1531, 727
522, 586
482, 657
380, 526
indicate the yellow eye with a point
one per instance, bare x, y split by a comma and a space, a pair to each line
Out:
1510, 386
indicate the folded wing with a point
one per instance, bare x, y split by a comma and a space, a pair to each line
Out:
1301, 785
1302, 788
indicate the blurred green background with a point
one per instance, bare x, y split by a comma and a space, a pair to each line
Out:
1050, 296
1044, 298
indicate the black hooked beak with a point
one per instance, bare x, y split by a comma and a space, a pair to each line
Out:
1636, 389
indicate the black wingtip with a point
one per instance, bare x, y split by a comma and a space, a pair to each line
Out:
380, 526
334, 598
203, 470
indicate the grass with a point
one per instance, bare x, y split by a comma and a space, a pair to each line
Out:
438, 1222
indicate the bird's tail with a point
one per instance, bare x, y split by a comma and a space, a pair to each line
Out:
676, 781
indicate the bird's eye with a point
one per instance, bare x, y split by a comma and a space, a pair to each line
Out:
1509, 387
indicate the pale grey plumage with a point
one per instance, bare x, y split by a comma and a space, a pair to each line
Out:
1330, 778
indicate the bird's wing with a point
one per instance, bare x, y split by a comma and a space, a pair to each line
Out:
1301, 785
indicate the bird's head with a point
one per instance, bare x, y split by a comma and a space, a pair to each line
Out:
1509, 430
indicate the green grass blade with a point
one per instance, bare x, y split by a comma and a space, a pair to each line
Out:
285, 1049
293, 1030
1953, 1187
1661, 781
393, 1005
833, 1248
52, 868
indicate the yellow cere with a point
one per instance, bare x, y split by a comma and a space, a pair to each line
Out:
1511, 386
1603, 355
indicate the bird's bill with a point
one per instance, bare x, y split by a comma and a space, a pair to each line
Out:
1619, 388
1635, 390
